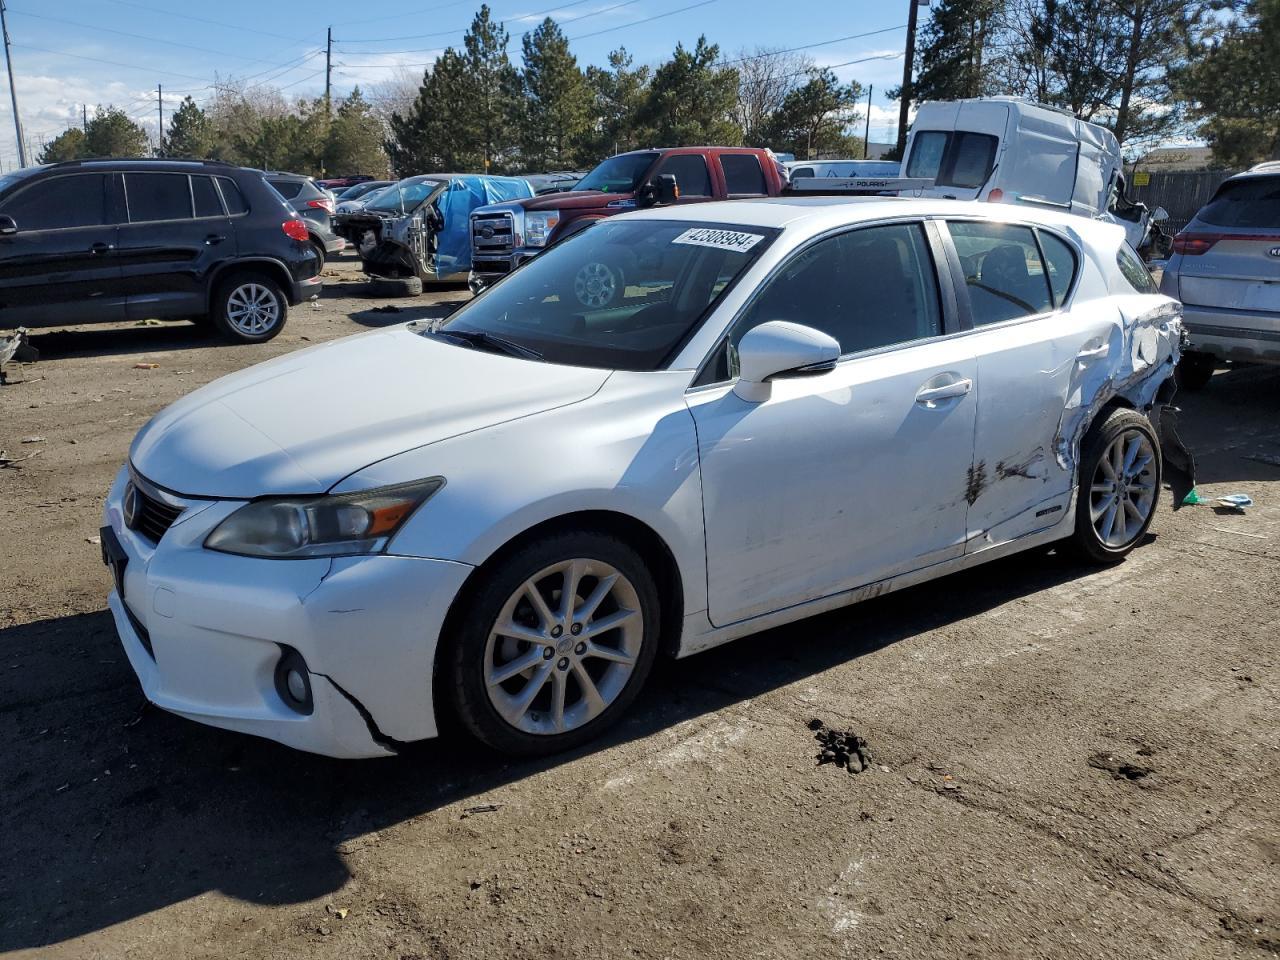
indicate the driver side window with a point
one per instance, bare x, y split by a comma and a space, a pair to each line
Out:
868, 288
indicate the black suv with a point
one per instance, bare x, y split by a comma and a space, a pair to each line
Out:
314, 205
109, 240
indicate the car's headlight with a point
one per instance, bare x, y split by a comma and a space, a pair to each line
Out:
325, 526
538, 226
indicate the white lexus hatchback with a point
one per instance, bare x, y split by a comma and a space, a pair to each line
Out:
677, 427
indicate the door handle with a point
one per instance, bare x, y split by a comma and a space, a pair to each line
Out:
1093, 353
98, 249
928, 396
214, 238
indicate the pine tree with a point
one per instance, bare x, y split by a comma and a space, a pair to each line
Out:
112, 134
68, 145
814, 118
618, 94
555, 100
190, 132
355, 139
950, 55
493, 85
691, 100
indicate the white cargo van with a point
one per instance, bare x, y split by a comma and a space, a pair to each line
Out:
1009, 150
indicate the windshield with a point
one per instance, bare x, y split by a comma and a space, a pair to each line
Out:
404, 196
621, 174
621, 295
360, 189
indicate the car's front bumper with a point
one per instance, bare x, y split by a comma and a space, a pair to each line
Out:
204, 632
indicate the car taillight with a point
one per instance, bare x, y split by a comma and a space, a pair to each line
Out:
995, 196
1194, 244
324, 204
294, 230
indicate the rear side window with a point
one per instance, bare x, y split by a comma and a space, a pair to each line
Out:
232, 196
1252, 202
868, 288
157, 196
60, 203
1061, 264
742, 174
287, 188
1003, 271
957, 159
690, 171
1134, 270
799, 173
206, 197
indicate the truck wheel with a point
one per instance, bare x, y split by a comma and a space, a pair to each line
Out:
395, 286
1119, 487
1195, 369
249, 307
598, 285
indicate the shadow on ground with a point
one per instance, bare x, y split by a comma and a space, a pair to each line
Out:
114, 809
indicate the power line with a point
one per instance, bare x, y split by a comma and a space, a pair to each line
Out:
112, 63
445, 33
407, 13
636, 23
810, 46
239, 27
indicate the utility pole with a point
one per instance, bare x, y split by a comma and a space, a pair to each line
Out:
84, 118
13, 92
328, 70
904, 105
160, 107
866, 136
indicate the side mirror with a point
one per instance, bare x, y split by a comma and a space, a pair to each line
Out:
1159, 215
661, 190
781, 349
7, 226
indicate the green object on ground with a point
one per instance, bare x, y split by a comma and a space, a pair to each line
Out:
1192, 498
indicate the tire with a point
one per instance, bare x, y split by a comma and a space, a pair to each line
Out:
318, 247
1195, 369
1122, 444
616, 662
395, 286
249, 288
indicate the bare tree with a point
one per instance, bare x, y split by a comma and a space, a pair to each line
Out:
765, 78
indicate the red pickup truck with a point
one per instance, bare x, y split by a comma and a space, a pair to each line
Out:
504, 235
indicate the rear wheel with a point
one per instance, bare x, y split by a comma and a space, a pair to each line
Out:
555, 643
1119, 487
395, 286
1195, 369
250, 308
318, 247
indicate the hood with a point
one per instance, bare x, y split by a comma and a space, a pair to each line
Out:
300, 423
574, 200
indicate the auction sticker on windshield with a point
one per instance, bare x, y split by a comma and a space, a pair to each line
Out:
720, 239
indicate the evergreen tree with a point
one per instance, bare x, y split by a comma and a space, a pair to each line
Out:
691, 100
949, 62
68, 145
493, 84
112, 134
814, 118
355, 139
618, 95
190, 134
432, 136
554, 120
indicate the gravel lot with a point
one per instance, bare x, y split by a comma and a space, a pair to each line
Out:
1061, 762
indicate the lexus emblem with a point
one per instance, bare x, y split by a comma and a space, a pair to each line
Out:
130, 505
1274, 252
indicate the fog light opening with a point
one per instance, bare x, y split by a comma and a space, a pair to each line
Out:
293, 683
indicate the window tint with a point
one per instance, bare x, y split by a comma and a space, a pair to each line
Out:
1134, 270
799, 173
232, 196
287, 188
1002, 270
1252, 202
76, 201
926, 154
157, 196
1061, 263
691, 174
867, 288
206, 197
742, 174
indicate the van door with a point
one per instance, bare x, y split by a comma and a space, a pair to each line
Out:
962, 160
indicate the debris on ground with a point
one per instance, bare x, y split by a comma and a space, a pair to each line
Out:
840, 747
389, 308
15, 348
146, 366
1236, 501
7, 461
33, 439
1118, 768
482, 808
149, 323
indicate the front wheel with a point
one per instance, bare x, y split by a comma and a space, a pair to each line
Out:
250, 308
555, 643
1119, 487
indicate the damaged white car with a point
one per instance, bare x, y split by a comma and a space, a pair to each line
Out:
509, 514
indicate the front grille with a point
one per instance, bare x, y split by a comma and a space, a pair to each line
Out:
492, 233
491, 266
152, 517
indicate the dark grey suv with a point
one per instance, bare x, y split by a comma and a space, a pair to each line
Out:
110, 240
314, 205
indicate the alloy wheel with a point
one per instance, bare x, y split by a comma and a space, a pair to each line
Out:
1123, 491
563, 646
252, 309
596, 285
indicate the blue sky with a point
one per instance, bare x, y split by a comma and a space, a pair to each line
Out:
59, 49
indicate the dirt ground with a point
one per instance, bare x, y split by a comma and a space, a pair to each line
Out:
1060, 762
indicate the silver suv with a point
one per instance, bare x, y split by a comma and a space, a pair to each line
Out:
1225, 269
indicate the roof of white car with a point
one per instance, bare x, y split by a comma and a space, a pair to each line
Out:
815, 214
